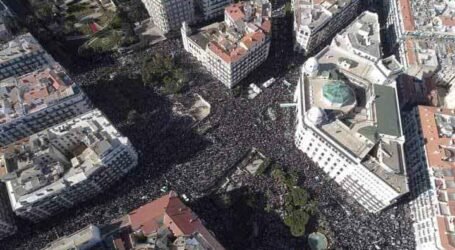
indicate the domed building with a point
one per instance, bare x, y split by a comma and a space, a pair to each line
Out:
338, 94
316, 115
310, 67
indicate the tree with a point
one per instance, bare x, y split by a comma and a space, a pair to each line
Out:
161, 71
296, 220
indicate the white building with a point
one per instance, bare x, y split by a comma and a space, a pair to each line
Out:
316, 22
83, 239
230, 50
22, 55
168, 15
65, 164
38, 100
212, 8
348, 117
430, 149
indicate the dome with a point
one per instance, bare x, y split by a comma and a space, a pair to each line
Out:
311, 66
316, 115
338, 93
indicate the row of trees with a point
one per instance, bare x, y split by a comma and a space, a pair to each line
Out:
298, 207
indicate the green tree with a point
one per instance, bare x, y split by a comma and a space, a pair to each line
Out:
297, 220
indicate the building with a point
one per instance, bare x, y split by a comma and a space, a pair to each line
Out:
348, 117
7, 223
38, 100
316, 22
165, 223
430, 149
83, 239
230, 50
422, 34
22, 55
65, 164
168, 15
212, 8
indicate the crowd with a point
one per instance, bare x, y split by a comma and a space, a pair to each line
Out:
172, 154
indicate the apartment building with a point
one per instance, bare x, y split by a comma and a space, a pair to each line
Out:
38, 100
84, 239
212, 8
68, 163
22, 55
316, 22
422, 34
430, 149
348, 116
168, 15
165, 223
230, 50
7, 223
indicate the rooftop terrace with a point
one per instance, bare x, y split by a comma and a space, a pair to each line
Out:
35, 91
428, 16
21, 45
246, 25
49, 161
315, 14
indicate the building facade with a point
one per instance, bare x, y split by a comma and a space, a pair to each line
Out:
212, 8
230, 50
22, 55
431, 168
316, 23
65, 164
38, 100
168, 15
348, 117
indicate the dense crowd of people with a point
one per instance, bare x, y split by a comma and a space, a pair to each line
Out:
174, 155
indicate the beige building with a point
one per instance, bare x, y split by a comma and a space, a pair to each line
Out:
232, 49
38, 100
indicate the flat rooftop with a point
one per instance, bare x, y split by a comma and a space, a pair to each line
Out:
427, 16
316, 13
429, 53
53, 159
34, 91
246, 25
19, 46
357, 101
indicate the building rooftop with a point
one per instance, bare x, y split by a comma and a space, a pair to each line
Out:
430, 16
360, 113
19, 46
53, 159
75, 240
246, 24
34, 91
438, 132
162, 217
314, 14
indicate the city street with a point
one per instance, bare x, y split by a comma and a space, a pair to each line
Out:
191, 163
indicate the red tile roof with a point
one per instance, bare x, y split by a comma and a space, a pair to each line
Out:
407, 16
169, 211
